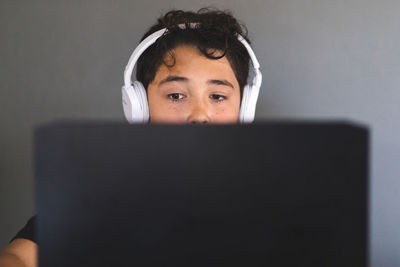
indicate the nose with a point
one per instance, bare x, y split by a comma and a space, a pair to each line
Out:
199, 114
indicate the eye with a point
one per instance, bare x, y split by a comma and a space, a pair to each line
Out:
176, 96
218, 98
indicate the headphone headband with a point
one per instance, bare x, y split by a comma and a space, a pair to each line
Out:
152, 38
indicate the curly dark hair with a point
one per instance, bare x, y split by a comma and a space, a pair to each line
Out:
215, 30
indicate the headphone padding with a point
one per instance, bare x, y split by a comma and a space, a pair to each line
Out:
243, 114
141, 95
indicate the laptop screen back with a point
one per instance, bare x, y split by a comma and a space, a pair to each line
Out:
270, 194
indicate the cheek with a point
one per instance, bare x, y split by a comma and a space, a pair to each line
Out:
173, 110
163, 111
226, 114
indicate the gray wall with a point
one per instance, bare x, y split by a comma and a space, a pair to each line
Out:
321, 59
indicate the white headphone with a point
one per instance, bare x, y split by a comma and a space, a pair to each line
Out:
134, 98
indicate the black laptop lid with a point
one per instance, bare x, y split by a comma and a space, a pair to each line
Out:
270, 194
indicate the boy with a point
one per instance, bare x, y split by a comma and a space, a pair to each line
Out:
194, 73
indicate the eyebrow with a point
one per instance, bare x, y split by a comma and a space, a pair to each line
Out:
174, 78
220, 82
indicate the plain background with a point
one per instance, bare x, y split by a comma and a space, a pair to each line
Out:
321, 59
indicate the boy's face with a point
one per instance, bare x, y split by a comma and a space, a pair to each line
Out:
195, 90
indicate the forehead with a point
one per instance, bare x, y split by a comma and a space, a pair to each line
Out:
189, 60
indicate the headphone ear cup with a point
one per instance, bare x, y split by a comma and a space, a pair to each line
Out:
128, 103
134, 102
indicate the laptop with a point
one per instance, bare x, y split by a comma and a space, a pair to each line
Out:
277, 193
